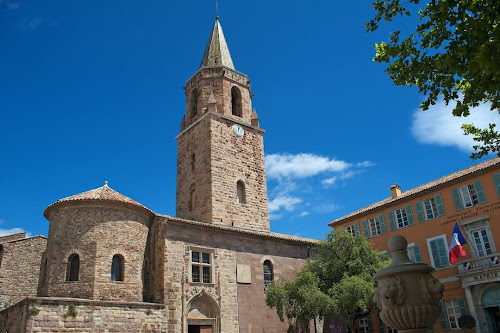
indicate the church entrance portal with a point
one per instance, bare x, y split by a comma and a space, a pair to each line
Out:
199, 329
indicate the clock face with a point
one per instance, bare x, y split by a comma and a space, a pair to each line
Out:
238, 130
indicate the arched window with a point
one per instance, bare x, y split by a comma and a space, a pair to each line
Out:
117, 268
268, 273
240, 191
193, 162
73, 268
194, 102
236, 101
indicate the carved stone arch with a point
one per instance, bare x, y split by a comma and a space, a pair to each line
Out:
203, 310
482, 289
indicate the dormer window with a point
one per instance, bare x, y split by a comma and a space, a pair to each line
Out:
236, 101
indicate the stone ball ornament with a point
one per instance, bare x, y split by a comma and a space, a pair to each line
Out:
407, 293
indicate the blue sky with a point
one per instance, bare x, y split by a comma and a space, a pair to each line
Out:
92, 91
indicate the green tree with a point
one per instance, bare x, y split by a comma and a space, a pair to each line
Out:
453, 53
337, 281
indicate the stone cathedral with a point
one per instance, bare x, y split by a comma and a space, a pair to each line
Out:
110, 264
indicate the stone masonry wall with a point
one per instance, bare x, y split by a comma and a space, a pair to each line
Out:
238, 159
194, 176
96, 232
52, 315
240, 306
19, 269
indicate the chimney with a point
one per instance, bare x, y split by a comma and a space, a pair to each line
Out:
395, 191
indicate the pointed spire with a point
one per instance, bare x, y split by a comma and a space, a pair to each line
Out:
217, 53
254, 118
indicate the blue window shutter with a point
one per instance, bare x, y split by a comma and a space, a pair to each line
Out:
439, 204
366, 232
381, 221
356, 228
392, 224
479, 191
496, 180
456, 199
409, 214
333, 233
418, 209
417, 254
461, 305
443, 320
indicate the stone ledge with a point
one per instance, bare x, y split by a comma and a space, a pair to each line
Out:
82, 301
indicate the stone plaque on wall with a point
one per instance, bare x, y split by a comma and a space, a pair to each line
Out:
243, 274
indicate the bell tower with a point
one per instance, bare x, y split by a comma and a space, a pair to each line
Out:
221, 176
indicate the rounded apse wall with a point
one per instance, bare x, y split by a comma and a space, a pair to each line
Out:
96, 250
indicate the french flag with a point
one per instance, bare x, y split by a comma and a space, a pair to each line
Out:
456, 249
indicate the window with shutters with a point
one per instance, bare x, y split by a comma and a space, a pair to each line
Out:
438, 251
429, 208
496, 180
414, 254
401, 218
374, 227
469, 195
201, 266
452, 312
73, 268
353, 229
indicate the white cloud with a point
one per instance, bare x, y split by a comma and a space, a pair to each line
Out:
6, 232
304, 214
438, 126
275, 217
329, 181
286, 202
325, 208
365, 164
301, 165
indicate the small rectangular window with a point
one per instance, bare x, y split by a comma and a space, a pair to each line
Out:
401, 218
430, 208
374, 227
453, 312
201, 266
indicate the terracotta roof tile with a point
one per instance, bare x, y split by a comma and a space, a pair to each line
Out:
417, 190
255, 232
103, 193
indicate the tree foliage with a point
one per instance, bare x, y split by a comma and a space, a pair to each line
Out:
452, 54
337, 281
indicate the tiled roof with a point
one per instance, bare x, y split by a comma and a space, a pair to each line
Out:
494, 162
255, 232
103, 193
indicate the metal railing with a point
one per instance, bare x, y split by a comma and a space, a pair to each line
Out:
474, 264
